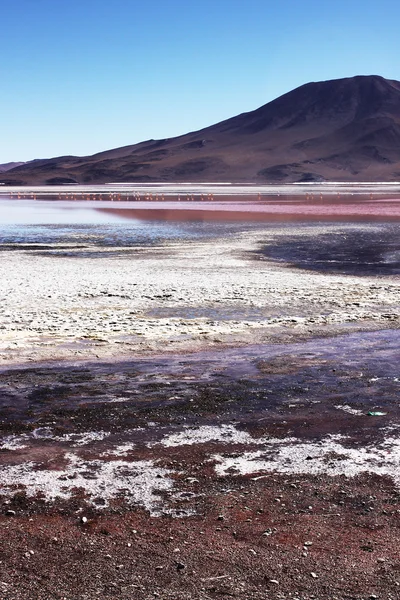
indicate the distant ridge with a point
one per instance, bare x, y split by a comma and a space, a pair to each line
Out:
339, 130
8, 166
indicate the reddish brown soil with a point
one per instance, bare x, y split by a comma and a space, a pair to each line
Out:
274, 537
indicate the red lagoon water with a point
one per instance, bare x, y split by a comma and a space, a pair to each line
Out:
335, 208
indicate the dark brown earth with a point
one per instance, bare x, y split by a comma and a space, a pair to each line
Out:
340, 130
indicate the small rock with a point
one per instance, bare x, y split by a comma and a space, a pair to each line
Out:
314, 575
84, 520
268, 532
10, 513
180, 566
274, 581
307, 543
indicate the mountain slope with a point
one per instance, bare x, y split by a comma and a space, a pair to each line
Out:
8, 166
345, 129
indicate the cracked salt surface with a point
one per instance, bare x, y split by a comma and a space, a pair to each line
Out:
328, 456
137, 482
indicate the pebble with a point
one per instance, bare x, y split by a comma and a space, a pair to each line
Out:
268, 532
314, 575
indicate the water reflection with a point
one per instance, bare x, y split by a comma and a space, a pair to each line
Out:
95, 228
47, 212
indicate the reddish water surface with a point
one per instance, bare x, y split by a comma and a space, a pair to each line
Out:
362, 207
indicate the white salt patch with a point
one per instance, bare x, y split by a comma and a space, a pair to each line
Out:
328, 456
77, 439
137, 482
349, 409
81, 439
121, 450
117, 400
13, 442
207, 433
43, 433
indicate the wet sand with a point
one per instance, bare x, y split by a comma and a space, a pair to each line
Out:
222, 400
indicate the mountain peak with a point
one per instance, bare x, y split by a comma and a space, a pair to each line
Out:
344, 129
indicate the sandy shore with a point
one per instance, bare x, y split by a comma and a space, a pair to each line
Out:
198, 419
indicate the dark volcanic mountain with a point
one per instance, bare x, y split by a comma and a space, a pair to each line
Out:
341, 130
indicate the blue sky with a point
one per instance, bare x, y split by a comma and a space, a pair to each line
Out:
78, 77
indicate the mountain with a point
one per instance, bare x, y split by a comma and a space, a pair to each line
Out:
11, 165
340, 130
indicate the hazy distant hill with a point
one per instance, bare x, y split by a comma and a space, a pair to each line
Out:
7, 166
346, 129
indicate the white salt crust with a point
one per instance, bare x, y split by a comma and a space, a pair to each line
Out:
137, 482
18, 442
329, 456
140, 482
349, 409
83, 307
206, 434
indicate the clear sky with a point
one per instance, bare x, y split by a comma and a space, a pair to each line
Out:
82, 76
